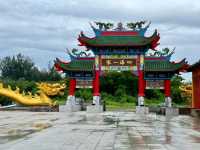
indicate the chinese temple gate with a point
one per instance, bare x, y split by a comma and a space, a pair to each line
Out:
195, 69
120, 49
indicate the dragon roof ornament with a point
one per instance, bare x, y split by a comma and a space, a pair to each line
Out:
165, 53
76, 53
131, 26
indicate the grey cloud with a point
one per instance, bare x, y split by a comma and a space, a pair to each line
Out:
182, 12
48, 27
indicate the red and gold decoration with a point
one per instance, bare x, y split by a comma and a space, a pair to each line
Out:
123, 63
155, 84
81, 84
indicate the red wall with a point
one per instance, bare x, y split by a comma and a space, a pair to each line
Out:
196, 88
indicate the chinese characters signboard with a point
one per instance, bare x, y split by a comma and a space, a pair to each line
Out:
118, 63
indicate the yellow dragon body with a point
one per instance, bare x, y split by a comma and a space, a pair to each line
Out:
52, 89
27, 100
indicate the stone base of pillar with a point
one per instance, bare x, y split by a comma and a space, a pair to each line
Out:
195, 112
94, 109
71, 105
96, 106
168, 102
96, 100
140, 101
71, 100
171, 111
141, 110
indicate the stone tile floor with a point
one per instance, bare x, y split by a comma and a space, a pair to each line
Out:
104, 131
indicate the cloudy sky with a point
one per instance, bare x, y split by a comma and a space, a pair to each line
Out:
43, 29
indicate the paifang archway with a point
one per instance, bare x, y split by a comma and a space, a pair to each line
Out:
120, 49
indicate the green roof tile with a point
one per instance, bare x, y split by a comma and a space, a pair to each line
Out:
161, 65
118, 40
78, 65
149, 65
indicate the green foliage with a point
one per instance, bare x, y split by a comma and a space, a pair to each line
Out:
84, 94
17, 67
5, 101
113, 81
154, 102
154, 93
119, 103
112, 105
23, 85
120, 91
121, 99
176, 82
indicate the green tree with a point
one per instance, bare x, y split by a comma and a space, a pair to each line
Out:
21, 67
154, 94
85, 94
113, 81
17, 67
176, 82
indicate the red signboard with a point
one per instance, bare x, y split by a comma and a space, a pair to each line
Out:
118, 63
154, 84
84, 84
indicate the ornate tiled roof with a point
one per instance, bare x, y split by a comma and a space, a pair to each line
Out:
120, 41
149, 65
163, 66
75, 65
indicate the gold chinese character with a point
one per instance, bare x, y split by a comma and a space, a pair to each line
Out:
129, 62
122, 62
108, 62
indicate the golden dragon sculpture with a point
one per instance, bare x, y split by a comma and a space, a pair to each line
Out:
52, 89
187, 90
27, 100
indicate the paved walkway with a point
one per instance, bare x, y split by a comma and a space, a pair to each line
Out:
106, 131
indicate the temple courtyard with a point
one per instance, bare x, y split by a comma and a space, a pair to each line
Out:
102, 131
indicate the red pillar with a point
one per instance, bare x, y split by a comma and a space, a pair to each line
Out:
72, 87
96, 84
196, 87
167, 84
141, 83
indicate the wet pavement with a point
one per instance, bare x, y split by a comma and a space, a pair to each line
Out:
104, 131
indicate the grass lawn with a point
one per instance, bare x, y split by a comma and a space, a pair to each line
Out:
127, 106
153, 102
111, 105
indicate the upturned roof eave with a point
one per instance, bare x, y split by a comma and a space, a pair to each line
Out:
85, 41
